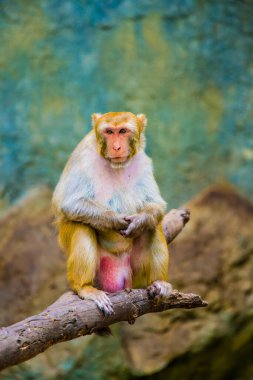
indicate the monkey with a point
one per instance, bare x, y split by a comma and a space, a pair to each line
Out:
109, 213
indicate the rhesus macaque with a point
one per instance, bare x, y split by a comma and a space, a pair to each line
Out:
109, 213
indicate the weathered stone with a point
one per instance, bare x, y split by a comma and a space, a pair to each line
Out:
32, 266
212, 257
33, 275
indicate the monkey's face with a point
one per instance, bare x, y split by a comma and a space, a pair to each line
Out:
118, 136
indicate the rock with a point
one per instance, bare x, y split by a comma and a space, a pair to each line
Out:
214, 258
32, 266
32, 276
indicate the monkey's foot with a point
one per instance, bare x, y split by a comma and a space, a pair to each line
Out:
100, 298
159, 290
174, 222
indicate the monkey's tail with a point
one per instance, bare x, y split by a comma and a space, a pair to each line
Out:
104, 331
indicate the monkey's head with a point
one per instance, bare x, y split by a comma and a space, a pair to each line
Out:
120, 135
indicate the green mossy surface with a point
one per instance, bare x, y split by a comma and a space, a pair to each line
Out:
186, 64
103, 359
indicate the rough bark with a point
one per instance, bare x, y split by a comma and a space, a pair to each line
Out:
70, 317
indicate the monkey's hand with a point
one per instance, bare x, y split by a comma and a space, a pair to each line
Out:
159, 290
100, 298
137, 224
120, 222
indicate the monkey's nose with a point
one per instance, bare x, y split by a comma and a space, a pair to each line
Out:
116, 147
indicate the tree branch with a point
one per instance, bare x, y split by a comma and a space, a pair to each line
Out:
70, 317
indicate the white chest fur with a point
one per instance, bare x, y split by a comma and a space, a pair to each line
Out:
119, 189
123, 190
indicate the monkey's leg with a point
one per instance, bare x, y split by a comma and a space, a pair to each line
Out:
173, 223
157, 270
80, 243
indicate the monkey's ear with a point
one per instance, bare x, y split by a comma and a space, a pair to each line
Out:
94, 118
143, 120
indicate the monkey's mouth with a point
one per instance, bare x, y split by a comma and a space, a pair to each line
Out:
118, 159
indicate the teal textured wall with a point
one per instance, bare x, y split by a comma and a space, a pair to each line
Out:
187, 64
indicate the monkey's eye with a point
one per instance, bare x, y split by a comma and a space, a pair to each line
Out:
123, 130
109, 132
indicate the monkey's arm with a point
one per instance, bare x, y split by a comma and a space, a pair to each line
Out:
173, 221
146, 219
73, 200
91, 213
153, 214
153, 207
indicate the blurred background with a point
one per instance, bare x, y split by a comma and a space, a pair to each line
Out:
186, 64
